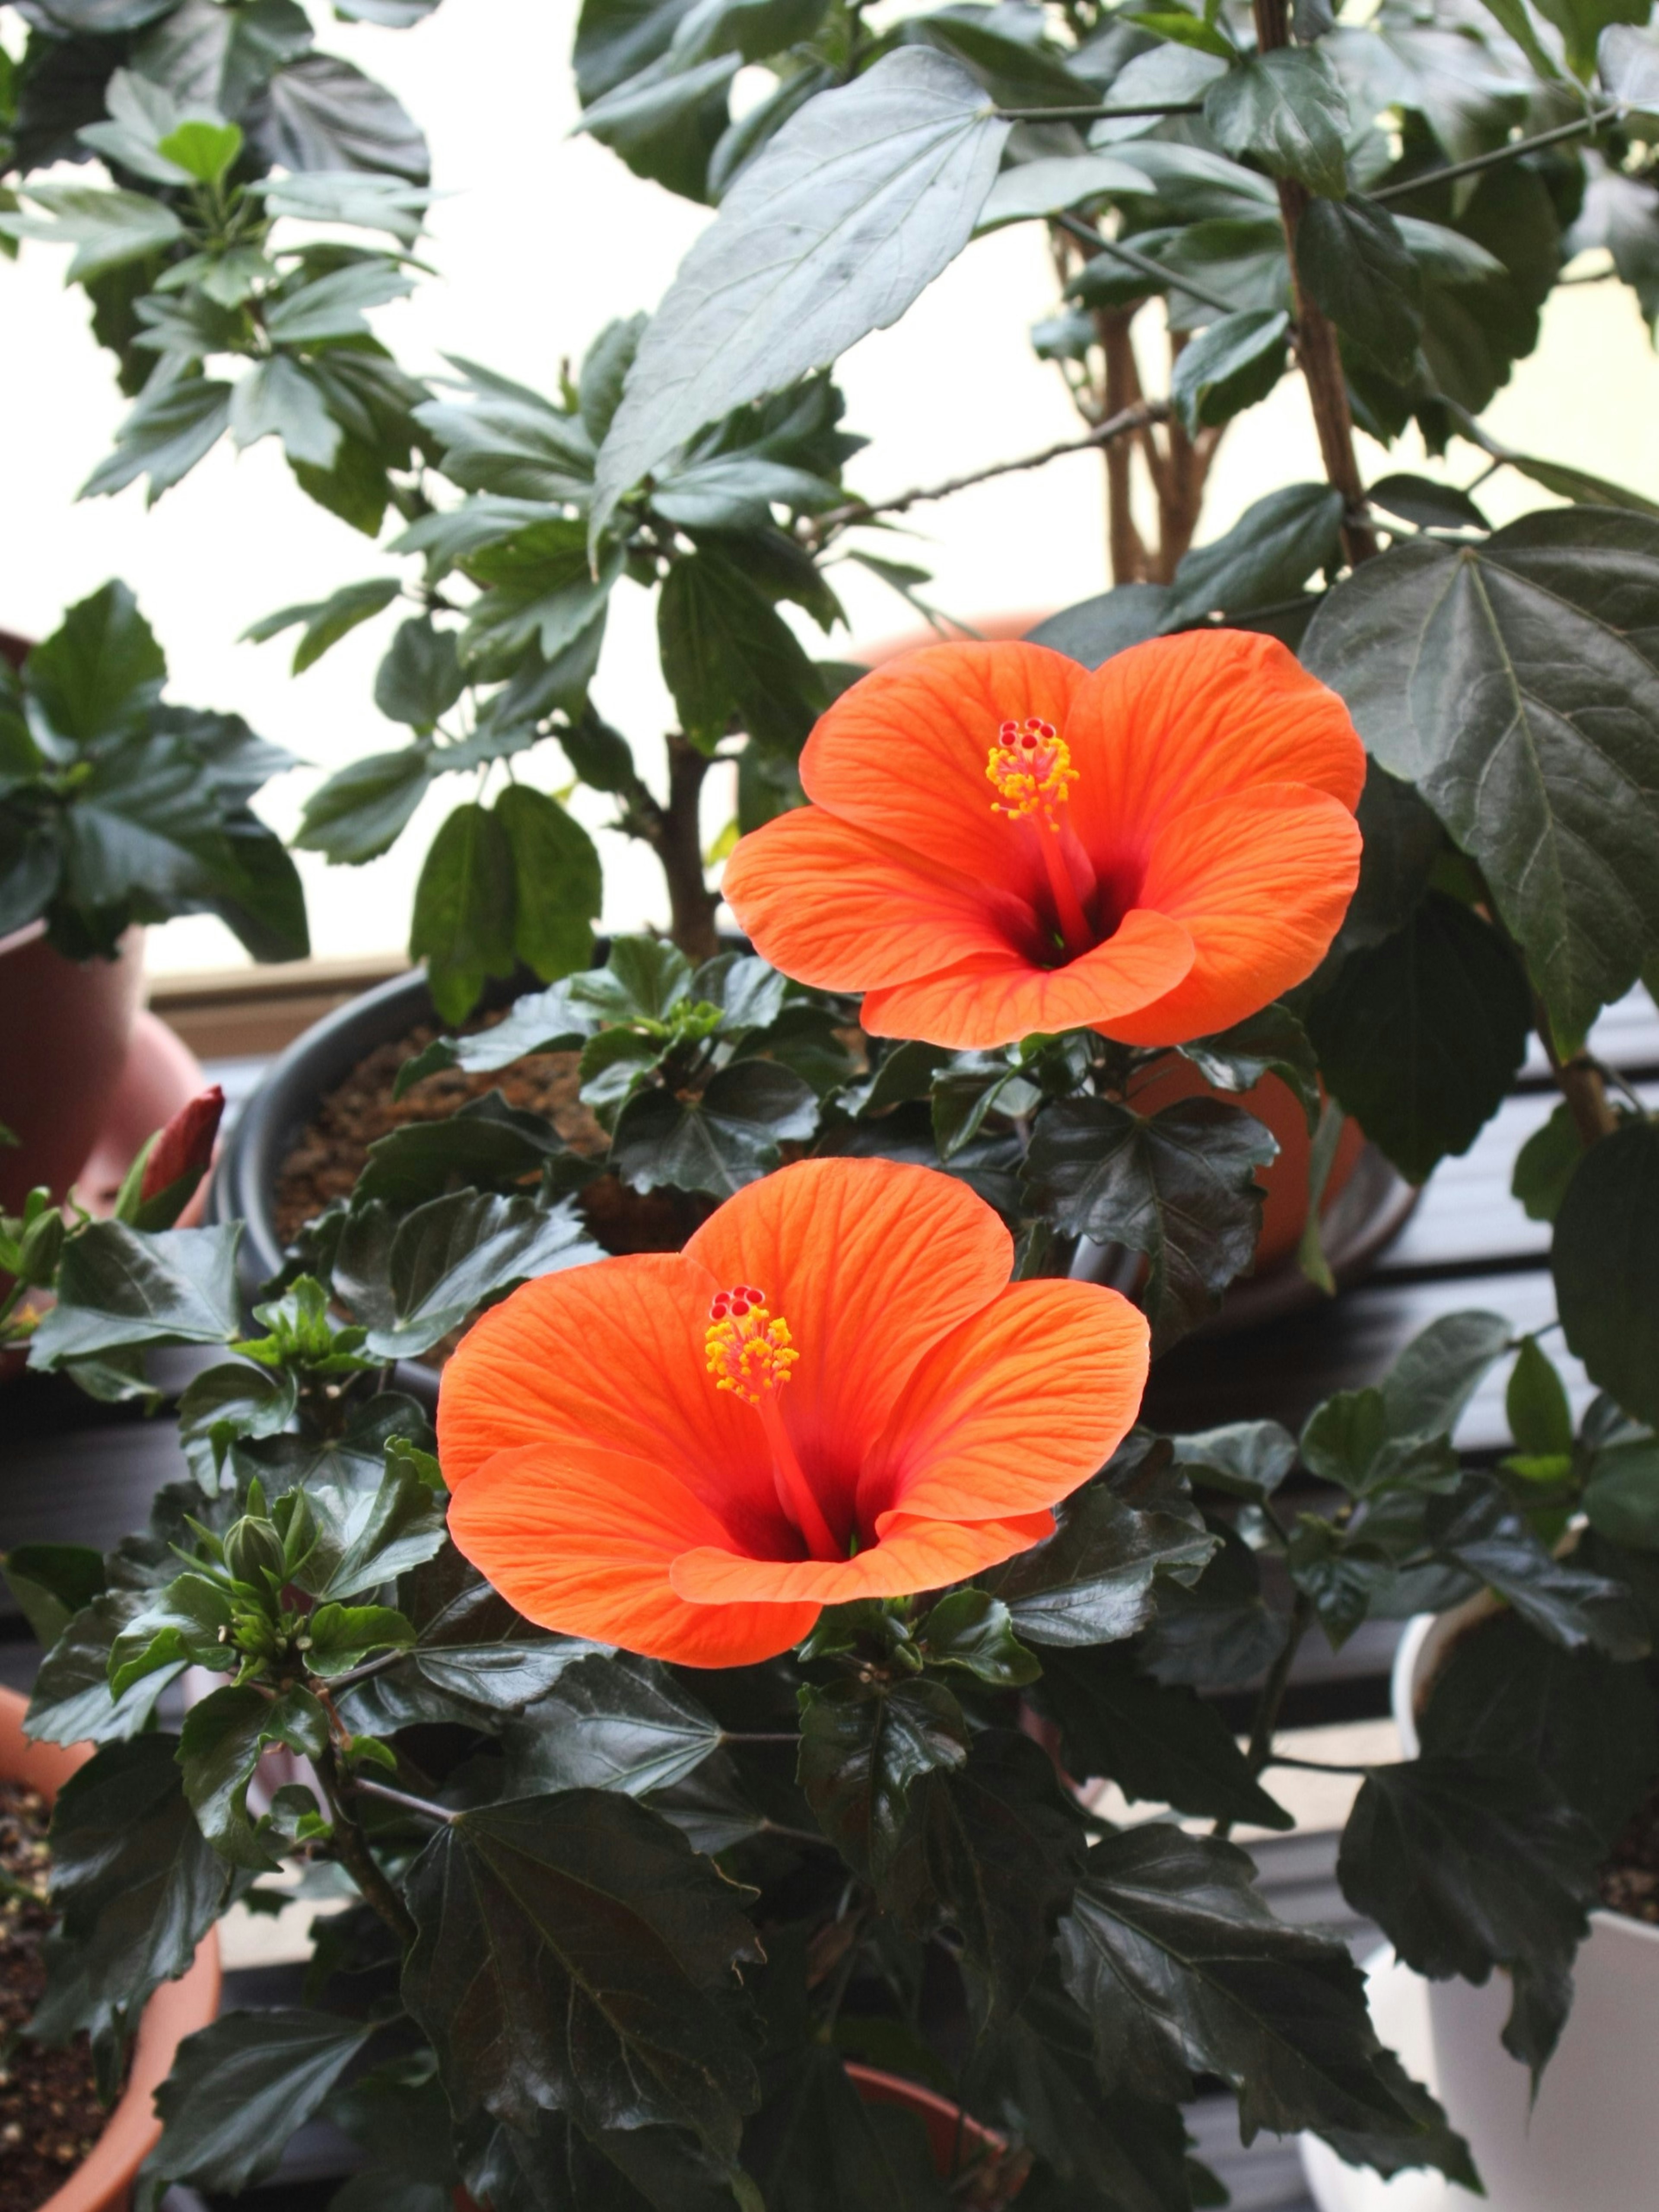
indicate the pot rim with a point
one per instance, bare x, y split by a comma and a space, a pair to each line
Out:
104, 2178
17, 938
1418, 1655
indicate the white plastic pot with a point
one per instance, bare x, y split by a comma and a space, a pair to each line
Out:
1591, 2141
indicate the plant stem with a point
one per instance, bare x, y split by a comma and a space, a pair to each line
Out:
1133, 420
1098, 114
1509, 152
421, 1807
1271, 1701
1162, 278
1317, 346
356, 1857
675, 833
1580, 1083
1124, 546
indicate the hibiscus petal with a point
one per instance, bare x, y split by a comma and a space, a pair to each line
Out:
1012, 1409
614, 1354
583, 1541
904, 752
870, 1262
991, 1001
1261, 881
1179, 721
919, 1555
838, 907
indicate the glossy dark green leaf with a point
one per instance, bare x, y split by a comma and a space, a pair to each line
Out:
364, 808
136, 1883
1353, 263
816, 2145
1478, 1529
366, 1537
1349, 1440
1093, 1579
1470, 1863
1430, 504
1228, 367
472, 1652
884, 178
1287, 110
1621, 1493
1161, 1744
445, 1260
343, 1636
973, 1630
1535, 1404
119, 1287
1267, 555
486, 1143
1271, 1042
1544, 1163
557, 891
1095, 628
1421, 1036
862, 1747
1244, 1459
223, 1737
107, 229
1182, 1968
508, 441
1426, 1391
719, 1141
420, 678
575, 1955
321, 112
1178, 1185
1500, 641
240, 2090
1217, 1633
996, 1846
611, 1723
463, 920
71, 1702
1605, 1262
101, 671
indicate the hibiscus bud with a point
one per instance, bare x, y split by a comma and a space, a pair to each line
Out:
251, 1544
42, 1243
179, 1155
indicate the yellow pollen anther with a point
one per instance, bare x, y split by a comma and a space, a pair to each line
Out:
1031, 767
749, 1349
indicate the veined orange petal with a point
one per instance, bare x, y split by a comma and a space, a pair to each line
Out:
583, 1540
919, 1555
870, 1262
992, 999
904, 752
611, 1355
835, 906
1180, 722
1011, 1411
1261, 881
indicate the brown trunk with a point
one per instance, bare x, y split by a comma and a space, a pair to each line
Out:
1124, 541
678, 838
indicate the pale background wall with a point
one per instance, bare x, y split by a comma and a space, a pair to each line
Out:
542, 239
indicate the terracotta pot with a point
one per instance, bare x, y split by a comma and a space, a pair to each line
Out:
103, 2182
1591, 2141
983, 2169
65, 1026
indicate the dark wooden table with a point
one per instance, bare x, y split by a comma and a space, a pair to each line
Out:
72, 1470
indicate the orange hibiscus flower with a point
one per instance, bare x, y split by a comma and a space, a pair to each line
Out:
834, 1392
1165, 844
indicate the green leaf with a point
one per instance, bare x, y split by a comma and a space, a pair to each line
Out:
1271, 1042
1178, 1185
1430, 504
719, 1141
277, 398
205, 150
883, 179
100, 672
415, 1281
815, 2144
1472, 1862
510, 442
1540, 1417
1017, 71
323, 113
1054, 182
472, 1652
107, 229
1268, 556
1182, 1968
366, 1538
863, 1745
1605, 1259
1163, 1744
334, 306
1500, 640
462, 921
1243, 1459
71, 1701
1353, 263
343, 1636
220, 1748
363, 810
1217, 1632
185, 1622
611, 1723
137, 1886
1093, 1579
1544, 1165
325, 621
558, 890
1478, 1529
169, 431
728, 656
1420, 1037
240, 2090
971, 1630
996, 1843
1203, 33
487, 1143
51, 1582
363, 198
575, 1955
119, 1287
420, 678
1621, 1492
1286, 109
1228, 367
